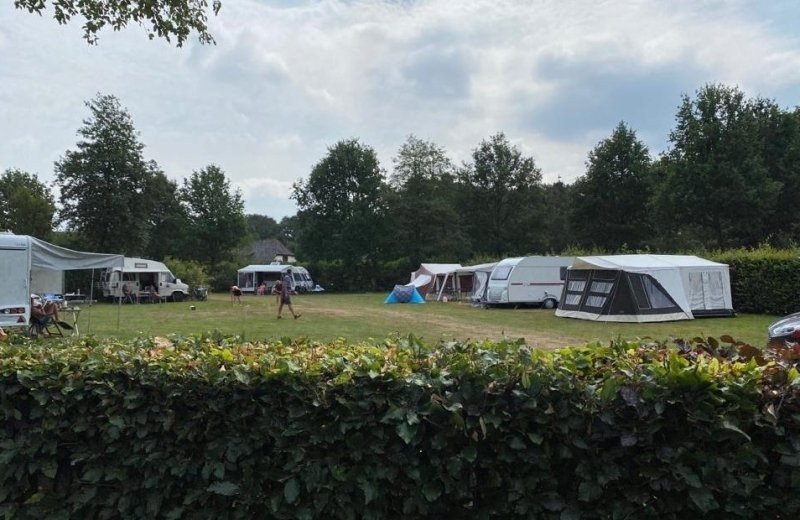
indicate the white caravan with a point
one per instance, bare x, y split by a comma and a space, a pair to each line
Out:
250, 277
139, 274
29, 265
529, 280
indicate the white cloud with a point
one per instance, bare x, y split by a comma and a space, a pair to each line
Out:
285, 82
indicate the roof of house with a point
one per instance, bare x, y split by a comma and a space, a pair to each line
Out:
266, 250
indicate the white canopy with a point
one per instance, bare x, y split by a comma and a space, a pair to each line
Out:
641, 263
420, 280
47, 256
268, 268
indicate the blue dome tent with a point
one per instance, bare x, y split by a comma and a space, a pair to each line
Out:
404, 294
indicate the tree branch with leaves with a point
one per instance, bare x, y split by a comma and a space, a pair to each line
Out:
168, 19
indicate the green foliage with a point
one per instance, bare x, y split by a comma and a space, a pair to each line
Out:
211, 427
103, 185
338, 276
162, 18
342, 207
763, 280
715, 185
215, 213
26, 204
502, 190
610, 201
223, 274
191, 273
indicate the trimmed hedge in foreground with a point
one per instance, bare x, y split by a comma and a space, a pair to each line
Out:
209, 427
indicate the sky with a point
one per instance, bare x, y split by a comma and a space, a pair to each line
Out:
287, 80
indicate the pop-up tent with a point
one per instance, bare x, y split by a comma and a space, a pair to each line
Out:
404, 294
644, 288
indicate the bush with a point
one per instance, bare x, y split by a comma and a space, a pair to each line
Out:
209, 427
189, 272
763, 280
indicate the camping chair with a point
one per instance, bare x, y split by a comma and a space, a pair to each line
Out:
38, 326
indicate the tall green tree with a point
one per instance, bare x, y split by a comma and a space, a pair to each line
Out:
715, 189
262, 226
168, 222
103, 183
423, 216
558, 201
342, 207
26, 204
502, 192
216, 215
166, 19
610, 204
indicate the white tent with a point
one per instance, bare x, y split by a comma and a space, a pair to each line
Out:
644, 288
438, 277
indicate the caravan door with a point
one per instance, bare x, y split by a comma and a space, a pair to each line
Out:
15, 294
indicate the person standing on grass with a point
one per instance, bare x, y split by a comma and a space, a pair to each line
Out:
286, 295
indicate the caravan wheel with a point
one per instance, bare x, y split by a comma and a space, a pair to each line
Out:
549, 303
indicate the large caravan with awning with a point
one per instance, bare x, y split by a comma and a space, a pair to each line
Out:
529, 280
644, 288
29, 265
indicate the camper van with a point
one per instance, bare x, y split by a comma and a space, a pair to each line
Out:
29, 265
139, 274
250, 277
529, 280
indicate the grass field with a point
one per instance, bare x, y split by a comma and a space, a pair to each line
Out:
360, 317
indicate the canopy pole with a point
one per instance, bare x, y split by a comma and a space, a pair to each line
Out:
91, 297
441, 290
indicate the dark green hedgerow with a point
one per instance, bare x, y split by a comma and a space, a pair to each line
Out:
210, 427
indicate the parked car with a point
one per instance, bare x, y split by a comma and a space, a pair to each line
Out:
786, 329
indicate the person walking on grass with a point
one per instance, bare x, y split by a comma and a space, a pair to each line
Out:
286, 295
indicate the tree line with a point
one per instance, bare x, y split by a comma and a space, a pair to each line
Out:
727, 179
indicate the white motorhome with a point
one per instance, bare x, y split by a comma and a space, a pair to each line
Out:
29, 265
139, 274
529, 280
251, 276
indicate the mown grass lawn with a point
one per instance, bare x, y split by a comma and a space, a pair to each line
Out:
358, 317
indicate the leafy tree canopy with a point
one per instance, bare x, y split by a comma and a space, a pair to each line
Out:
166, 19
216, 214
26, 204
502, 189
342, 206
104, 183
611, 200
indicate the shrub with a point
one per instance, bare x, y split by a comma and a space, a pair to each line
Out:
209, 427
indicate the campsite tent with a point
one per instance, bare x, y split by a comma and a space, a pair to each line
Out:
644, 288
435, 279
404, 294
478, 276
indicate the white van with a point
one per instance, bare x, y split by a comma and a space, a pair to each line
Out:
139, 274
250, 277
529, 280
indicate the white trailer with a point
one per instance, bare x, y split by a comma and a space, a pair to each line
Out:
251, 276
529, 280
139, 274
29, 265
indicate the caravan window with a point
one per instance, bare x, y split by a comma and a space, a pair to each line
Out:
128, 277
501, 273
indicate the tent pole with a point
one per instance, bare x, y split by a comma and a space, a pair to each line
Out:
91, 297
441, 290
